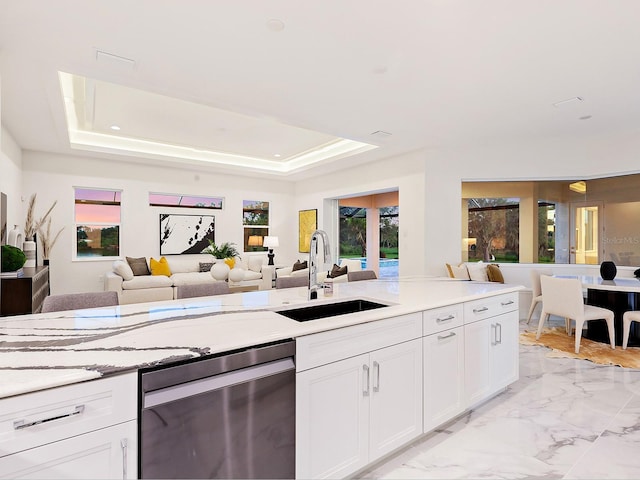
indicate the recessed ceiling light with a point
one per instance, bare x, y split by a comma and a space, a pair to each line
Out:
115, 127
277, 155
275, 25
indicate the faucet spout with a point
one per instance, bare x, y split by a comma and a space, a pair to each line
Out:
313, 261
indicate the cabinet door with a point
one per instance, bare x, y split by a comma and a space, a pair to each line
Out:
332, 418
107, 453
396, 397
504, 362
478, 337
443, 377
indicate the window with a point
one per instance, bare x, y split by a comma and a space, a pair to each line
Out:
555, 221
255, 218
97, 219
184, 201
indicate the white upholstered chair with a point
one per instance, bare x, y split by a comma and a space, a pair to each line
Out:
627, 318
563, 297
77, 301
536, 289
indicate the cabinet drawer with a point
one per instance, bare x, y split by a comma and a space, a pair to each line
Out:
490, 307
439, 319
33, 419
333, 345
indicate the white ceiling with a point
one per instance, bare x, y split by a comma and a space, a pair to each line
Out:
216, 76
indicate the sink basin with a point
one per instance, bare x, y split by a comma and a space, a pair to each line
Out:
323, 310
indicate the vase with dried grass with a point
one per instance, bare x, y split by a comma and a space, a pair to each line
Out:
31, 227
47, 240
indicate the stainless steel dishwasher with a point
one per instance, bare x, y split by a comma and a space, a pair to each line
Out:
231, 416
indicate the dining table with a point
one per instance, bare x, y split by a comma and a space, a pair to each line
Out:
619, 295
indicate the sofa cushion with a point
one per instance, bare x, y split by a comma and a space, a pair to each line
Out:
251, 275
138, 266
478, 271
146, 281
190, 278
337, 271
298, 265
255, 263
123, 269
494, 274
458, 271
205, 266
160, 267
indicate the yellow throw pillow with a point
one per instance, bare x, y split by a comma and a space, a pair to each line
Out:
160, 267
231, 262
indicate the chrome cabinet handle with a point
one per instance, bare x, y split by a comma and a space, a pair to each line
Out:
20, 424
445, 319
365, 372
493, 334
376, 373
480, 310
499, 332
124, 447
504, 304
444, 337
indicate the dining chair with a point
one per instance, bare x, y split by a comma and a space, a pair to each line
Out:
202, 289
536, 289
361, 275
77, 301
290, 282
627, 319
563, 297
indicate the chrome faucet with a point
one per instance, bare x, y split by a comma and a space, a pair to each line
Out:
313, 261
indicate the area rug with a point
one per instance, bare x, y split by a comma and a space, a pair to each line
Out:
562, 346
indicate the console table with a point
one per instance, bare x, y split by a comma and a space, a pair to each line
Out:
25, 294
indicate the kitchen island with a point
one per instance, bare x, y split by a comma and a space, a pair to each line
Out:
44, 351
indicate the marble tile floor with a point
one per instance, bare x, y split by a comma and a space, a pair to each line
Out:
564, 419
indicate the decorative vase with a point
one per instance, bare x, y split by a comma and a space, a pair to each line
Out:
29, 249
236, 275
220, 270
608, 270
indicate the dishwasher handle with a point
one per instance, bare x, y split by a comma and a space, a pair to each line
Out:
216, 382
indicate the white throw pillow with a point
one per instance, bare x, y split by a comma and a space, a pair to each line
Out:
123, 269
458, 271
255, 263
478, 271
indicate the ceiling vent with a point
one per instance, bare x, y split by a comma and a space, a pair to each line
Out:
106, 58
568, 102
380, 134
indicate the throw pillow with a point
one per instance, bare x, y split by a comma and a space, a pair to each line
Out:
337, 271
459, 271
478, 271
205, 266
494, 273
160, 267
123, 269
299, 265
139, 266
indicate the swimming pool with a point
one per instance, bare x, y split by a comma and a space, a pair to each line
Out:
388, 266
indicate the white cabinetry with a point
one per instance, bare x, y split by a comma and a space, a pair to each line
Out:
85, 430
354, 406
491, 346
443, 355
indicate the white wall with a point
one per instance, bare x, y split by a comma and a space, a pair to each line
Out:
11, 179
54, 176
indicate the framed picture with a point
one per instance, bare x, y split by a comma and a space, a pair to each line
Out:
185, 234
307, 224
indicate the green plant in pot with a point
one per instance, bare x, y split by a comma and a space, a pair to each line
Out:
226, 252
13, 258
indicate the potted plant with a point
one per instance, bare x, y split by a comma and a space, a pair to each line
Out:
225, 254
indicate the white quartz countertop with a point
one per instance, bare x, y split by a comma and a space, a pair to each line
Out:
52, 349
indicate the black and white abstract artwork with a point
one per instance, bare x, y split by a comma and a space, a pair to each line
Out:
184, 234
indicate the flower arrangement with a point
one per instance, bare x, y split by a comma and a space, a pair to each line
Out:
225, 250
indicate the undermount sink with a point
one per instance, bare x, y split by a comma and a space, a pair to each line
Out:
323, 310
